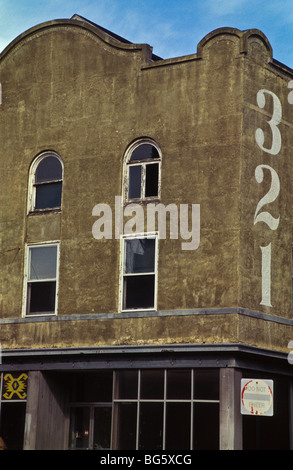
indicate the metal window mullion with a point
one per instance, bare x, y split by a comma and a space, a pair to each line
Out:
145, 161
164, 410
191, 409
158, 400
142, 182
138, 410
148, 273
125, 400
40, 183
199, 400
114, 417
91, 427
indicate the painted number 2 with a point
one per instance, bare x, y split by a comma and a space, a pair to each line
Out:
272, 194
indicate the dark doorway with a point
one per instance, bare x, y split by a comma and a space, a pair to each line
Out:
12, 419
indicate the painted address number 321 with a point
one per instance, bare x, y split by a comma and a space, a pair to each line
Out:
274, 190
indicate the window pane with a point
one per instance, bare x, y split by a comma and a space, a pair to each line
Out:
206, 426
102, 428
206, 384
43, 262
144, 152
179, 384
152, 384
151, 426
49, 169
178, 417
139, 291
126, 431
48, 195
41, 297
79, 432
152, 180
127, 384
140, 255
93, 387
134, 182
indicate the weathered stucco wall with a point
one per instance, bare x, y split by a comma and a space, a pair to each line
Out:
67, 87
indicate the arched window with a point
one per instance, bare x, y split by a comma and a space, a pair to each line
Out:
46, 176
142, 172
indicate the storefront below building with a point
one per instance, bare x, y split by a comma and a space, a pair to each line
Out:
150, 410
141, 408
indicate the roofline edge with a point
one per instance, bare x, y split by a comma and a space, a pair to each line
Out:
146, 49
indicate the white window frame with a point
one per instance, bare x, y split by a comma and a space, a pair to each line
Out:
122, 268
31, 201
142, 164
28, 247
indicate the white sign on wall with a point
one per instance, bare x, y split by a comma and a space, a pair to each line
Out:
257, 397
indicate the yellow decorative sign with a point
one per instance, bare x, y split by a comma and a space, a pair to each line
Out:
15, 387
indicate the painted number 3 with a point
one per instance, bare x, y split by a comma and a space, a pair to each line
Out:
273, 123
274, 190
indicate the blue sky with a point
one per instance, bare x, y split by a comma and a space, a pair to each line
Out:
172, 27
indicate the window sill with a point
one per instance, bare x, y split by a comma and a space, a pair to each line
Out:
142, 201
56, 210
133, 310
40, 314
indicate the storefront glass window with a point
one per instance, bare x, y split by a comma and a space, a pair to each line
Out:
170, 409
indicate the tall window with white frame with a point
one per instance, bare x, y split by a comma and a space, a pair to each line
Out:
45, 183
41, 281
139, 273
141, 184
143, 171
